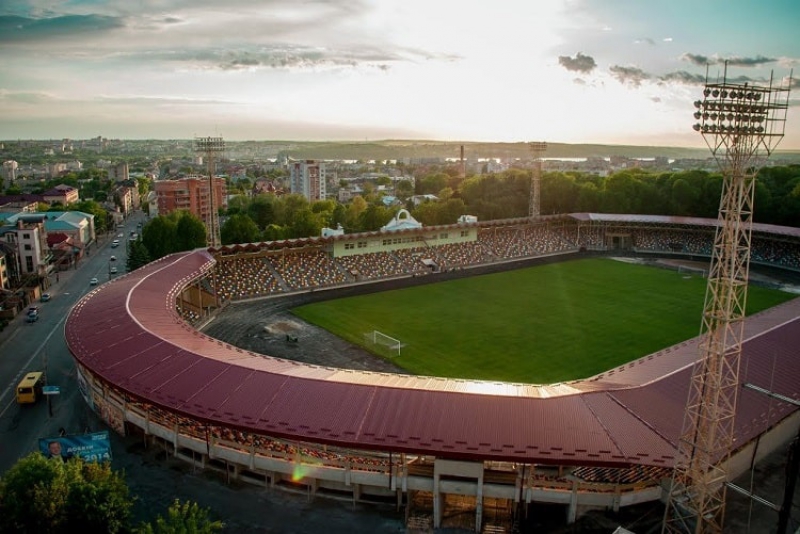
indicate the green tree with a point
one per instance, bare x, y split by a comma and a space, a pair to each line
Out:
432, 184
44, 495
305, 223
93, 208
404, 188
138, 255
262, 210
159, 236
183, 518
190, 232
239, 228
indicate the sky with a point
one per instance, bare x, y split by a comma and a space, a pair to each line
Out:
561, 71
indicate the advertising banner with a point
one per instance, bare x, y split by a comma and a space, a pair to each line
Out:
90, 447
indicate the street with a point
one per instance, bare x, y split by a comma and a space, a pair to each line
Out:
40, 346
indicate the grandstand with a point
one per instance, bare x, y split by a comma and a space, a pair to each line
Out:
489, 448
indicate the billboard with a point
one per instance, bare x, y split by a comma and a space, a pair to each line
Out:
93, 447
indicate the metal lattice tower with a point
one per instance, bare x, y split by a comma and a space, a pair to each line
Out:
741, 124
211, 147
534, 204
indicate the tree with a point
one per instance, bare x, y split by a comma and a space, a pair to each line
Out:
138, 255
93, 208
191, 232
404, 188
305, 223
262, 210
44, 495
159, 236
239, 228
183, 518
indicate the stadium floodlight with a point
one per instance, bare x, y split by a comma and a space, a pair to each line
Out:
741, 124
211, 147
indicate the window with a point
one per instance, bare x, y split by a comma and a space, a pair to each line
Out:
349, 246
28, 247
26, 235
29, 264
362, 244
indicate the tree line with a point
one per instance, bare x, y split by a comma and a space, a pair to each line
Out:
693, 193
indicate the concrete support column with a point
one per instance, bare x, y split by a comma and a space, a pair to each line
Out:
572, 510
437, 502
479, 505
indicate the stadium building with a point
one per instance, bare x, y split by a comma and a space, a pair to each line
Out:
447, 450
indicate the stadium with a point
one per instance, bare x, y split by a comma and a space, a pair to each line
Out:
453, 452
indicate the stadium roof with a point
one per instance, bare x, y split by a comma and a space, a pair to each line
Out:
668, 219
128, 333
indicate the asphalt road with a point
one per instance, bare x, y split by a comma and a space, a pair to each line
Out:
40, 346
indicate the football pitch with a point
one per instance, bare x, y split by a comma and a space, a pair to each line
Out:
537, 325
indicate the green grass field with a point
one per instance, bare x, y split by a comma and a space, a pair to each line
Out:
538, 325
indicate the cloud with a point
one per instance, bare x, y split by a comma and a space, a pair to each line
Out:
749, 61
580, 63
697, 59
736, 61
667, 39
15, 29
683, 77
280, 56
645, 40
631, 75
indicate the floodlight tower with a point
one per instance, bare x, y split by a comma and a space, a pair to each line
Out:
210, 147
534, 204
741, 124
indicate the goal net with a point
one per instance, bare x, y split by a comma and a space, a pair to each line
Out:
687, 270
387, 344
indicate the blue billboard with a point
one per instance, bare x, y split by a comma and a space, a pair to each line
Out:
93, 447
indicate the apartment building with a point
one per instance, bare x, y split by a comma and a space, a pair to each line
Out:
307, 178
191, 194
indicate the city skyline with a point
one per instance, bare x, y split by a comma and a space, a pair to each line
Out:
570, 71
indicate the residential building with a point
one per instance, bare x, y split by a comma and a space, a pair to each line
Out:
10, 167
118, 172
29, 238
61, 194
307, 178
191, 194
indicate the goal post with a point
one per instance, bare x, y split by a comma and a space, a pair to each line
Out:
379, 339
695, 271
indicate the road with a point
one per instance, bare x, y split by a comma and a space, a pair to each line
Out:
40, 345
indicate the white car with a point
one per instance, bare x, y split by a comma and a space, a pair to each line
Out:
93, 282
113, 270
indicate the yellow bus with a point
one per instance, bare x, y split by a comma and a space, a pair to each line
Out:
30, 387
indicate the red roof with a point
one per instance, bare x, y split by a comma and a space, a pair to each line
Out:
128, 333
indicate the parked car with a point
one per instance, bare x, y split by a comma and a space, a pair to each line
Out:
32, 317
113, 270
112, 258
115, 243
93, 282
45, 297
